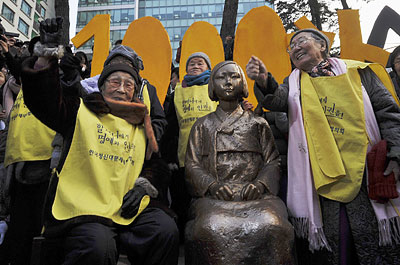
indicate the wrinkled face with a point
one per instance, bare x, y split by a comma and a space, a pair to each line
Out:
119, 86
196, 66
306, 52
396, 63
228, 84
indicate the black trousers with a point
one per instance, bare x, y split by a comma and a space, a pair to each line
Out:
151, 239
25, 220
180, 200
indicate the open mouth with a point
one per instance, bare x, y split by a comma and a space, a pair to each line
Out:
299, 55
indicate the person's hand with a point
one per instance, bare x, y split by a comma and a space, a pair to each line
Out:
70, 62
70, 65
3, 44
394, 167
3, 230
50, 31
257, 71
221, 192
131, 202
247, 105
252, 191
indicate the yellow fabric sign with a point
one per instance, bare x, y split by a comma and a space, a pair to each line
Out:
98, 28
104, 161
155, 50
191, 103
28, 138
201, 36
336, 133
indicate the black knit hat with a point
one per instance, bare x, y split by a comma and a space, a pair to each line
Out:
109, 69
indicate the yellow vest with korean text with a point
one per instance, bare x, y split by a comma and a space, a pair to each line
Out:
105, 159
28, 138
334, 122
191, 103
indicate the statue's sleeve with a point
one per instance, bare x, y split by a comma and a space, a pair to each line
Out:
197, 177
269, 175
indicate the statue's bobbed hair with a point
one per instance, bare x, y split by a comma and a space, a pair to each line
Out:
211, 93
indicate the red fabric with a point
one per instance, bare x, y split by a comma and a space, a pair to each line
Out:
381, 188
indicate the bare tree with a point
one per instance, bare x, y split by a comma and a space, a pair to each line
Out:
62, 10
344, 4
319, 12
229, 18
315, 9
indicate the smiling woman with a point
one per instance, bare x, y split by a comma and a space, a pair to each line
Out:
338, 109
307, 49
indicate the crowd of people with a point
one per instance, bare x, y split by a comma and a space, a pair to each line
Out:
94, 166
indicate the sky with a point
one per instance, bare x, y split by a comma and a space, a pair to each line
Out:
368, 14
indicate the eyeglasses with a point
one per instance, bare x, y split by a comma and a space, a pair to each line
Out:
129, 84
299, 43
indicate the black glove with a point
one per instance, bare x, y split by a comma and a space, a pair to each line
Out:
131, 202
70, 65
50, 31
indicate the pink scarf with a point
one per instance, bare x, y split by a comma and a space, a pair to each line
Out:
302, 199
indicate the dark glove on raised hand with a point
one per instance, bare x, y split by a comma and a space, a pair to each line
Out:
131, 202
50, 31
70, 65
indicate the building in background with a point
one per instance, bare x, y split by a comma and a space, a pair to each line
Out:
178, 15
175, 15
23, 16
122, 13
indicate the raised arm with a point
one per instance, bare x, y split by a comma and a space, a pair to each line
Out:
53, 102
268, 92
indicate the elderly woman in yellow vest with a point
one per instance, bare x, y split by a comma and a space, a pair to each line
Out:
338, 109
97, 204
232, 171
191, 102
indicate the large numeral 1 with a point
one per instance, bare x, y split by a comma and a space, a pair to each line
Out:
99, 28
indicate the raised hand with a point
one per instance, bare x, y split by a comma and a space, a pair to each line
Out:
50, 31
257, 71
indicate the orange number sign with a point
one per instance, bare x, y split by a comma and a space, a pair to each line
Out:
259, 33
